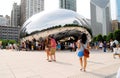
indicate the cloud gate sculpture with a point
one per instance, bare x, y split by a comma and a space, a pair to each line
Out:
35, 25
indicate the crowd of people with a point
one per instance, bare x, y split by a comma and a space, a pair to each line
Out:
50, 45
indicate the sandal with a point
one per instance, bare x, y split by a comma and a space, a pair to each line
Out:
54, 60
84, 70
81, 69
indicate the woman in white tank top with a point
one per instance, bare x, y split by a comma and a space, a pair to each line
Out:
81, 44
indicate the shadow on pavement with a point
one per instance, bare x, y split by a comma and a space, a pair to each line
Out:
59, 62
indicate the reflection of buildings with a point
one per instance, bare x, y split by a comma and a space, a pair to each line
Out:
7, 32
100, 17
68, 4
35, 25
30, 7
15, 15
118, 9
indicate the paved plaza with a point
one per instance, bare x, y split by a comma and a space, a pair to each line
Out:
33, 64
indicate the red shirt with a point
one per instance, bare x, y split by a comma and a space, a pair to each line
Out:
53, 43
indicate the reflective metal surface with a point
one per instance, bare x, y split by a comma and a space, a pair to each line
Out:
45, 19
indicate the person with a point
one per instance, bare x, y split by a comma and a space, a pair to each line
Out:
47, 48
82, 43
104, 46
116, 51
59, 46
100, 45
52, 48
111, 45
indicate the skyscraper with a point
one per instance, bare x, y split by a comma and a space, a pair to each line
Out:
15, 15
68, 4
29, 8
22, 12
33, 7
100, 17
118, 9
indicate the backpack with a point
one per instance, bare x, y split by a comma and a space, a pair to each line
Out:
114, 45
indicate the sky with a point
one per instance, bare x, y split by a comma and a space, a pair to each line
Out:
83, 7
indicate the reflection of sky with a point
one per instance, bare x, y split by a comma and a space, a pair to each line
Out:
46, 19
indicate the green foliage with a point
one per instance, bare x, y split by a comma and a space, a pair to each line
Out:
5, 42
94, 39
114, 35
104, 37
110, 36
117, 35
12, 41
99, 38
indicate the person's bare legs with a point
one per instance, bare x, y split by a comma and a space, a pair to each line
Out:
81, 64
54, 57
47, 52
47, 55
54, 54
85, 63
50, 54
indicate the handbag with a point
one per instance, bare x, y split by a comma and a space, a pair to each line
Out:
86, 52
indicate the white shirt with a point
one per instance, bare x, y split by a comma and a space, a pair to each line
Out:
111, 43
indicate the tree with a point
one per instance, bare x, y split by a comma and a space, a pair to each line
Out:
4, 43
99, 38
11, 41
117, 35
110, 36
94, 39
105, 37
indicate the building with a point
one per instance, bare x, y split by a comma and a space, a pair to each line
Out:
100, 17
33, 7
115, 25
29, 8
68, 4
15, 15
9, 33
118, 10
4, 21
8, 20
22, 12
